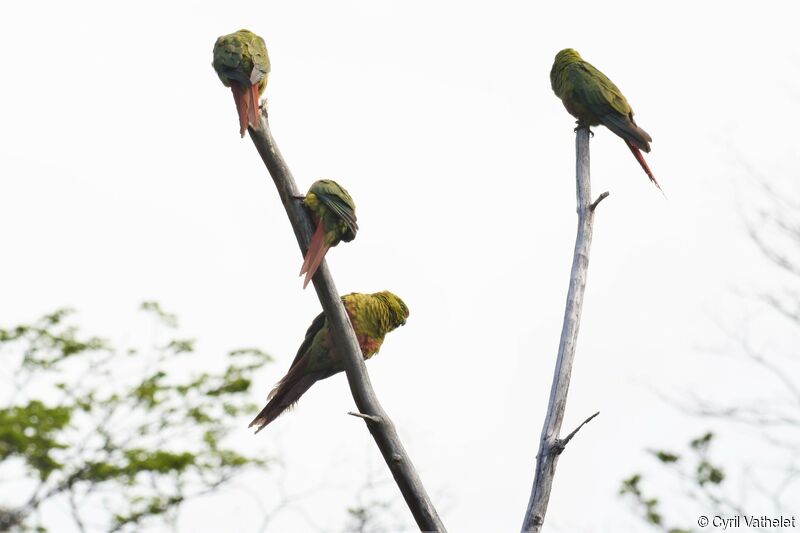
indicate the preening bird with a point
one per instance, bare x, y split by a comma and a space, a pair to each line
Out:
335, 214
242, 63
593, 99
372, 316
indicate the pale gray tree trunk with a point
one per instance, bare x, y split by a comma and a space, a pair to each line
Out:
551, 445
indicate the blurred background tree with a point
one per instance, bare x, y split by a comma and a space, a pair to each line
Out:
114, 437
701, 479
767, 467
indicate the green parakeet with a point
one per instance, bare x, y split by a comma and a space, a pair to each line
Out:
372, 316
335, 214
242, 63
593, 99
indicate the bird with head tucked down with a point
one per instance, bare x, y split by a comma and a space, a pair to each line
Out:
242, 63
335, 214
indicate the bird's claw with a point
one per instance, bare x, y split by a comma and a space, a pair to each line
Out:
581, 124
591, 133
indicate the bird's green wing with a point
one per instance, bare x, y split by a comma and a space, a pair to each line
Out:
242, 57
605, 102
259, 57
229, 61
339, 201
313, 329
596, 91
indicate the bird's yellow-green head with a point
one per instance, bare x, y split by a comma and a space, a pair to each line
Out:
567, 55
559, 80
396, 310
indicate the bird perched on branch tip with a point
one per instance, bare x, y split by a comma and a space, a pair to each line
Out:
242, 63
593, 99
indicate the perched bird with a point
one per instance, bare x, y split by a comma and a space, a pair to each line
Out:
372, 316
593, 99
335, 214
242, 63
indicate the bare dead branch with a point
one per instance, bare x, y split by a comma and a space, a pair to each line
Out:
382, 430
782, 308
562, 443
550, 445
371, 418
755, 355
600, 198
770, 252
761, 417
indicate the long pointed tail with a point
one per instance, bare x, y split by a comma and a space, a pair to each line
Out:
640, 158
315, 248
246, 99
242, 104
285, 394
315, 262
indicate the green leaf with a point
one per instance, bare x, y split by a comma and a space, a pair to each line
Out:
666, 457
703, 442
167, 319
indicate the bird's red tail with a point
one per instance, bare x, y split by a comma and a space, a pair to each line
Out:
246, 106
241, 107
285, 394
640, 158
316, 252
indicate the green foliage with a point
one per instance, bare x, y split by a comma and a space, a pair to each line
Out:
666, 457
29, 432
702, 443
705, 472
166, 319
649, 506
85, 419
48, 342
700, 478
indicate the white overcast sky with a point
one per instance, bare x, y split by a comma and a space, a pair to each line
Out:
123, 178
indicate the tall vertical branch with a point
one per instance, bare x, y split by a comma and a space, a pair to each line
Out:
378, 422
551, 445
